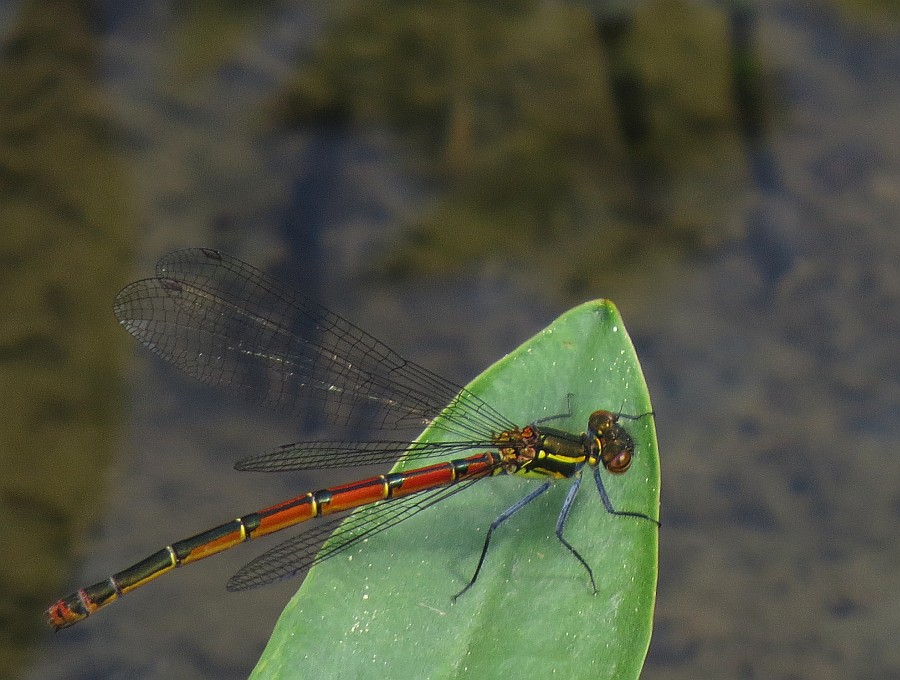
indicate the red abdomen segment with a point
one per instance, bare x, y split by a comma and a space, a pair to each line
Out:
82, 603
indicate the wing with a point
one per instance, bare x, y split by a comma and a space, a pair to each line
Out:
227, 323
318, 455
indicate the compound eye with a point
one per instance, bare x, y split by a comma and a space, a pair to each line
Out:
601, 421
620, 462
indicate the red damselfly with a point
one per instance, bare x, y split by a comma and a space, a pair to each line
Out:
227, 323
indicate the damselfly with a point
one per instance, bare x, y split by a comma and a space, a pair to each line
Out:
227, 323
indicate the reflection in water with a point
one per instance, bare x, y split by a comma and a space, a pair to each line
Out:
65, 221
540, 124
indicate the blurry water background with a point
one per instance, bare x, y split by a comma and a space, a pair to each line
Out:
452, 176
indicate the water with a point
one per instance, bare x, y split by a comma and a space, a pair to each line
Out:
771, 356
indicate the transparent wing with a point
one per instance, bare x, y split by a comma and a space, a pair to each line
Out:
319, 455
227, 323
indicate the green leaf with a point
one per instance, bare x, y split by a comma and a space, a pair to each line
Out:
383, 609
